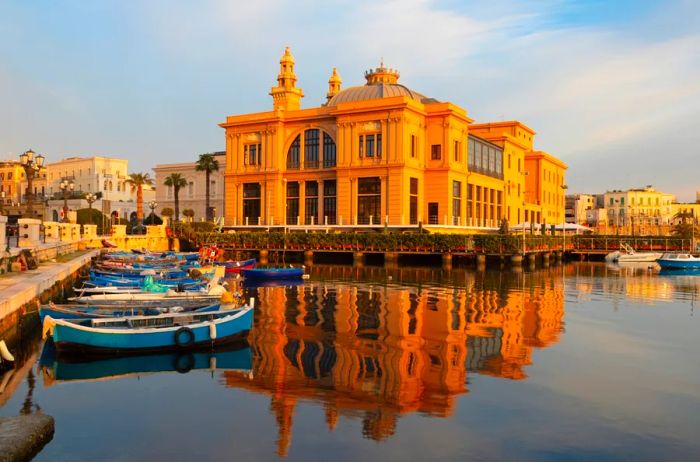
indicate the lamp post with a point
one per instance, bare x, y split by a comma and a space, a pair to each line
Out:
90, 198
152, 205
31, 165
524, 173
563, 226
67, 186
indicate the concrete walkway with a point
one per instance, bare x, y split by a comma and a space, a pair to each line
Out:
21, 437
16, 289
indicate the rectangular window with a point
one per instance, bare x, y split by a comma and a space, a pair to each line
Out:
330, 210
436, 152
362, 146
329, 154
311, 203
414, 146
456, 202
369, 142
311, 148
458, 151
292, 202
369, 196
470, 152
251, 202
413, 207
379, 145
252, 154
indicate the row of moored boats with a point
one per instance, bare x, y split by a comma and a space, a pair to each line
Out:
671, 261
143, 301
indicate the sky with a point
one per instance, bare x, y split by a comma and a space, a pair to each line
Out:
612, 87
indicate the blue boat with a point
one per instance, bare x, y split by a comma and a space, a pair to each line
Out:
62, 367
273, 273
684, 261
178, 331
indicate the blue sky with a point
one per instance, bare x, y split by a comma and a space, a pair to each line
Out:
611, 87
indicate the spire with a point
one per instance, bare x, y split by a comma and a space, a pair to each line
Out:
286, 95
382, 75
333, 85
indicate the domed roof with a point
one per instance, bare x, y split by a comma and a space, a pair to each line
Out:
381, 83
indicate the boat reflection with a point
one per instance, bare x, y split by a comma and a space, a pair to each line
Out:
377, 350
63, 368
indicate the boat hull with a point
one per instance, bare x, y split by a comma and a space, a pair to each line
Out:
273, 273
68, 336
679, 264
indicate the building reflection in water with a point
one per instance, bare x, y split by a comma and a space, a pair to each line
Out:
401, 344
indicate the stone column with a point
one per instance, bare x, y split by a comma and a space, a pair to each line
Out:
51, 231
29, 232
3, 235
89, 231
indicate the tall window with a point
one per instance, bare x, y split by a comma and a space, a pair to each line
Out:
371, 145
456, 202
251, 202
190, 189
436, 152
252, 154
311, 148
330, 211
413, 202
414, 146
293, 154
328, 151
458, 151
292, 202
369, 199
311, 202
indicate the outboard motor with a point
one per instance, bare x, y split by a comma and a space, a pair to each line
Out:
180, 287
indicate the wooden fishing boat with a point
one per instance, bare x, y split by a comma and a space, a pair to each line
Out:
111, 311
273, 273
235, 267
150, 333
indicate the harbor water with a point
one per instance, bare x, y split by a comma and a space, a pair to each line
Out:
581, 361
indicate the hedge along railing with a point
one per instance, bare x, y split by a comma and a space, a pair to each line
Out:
385, 242
613, 242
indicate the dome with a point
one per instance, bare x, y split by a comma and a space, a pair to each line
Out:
381, 83
375, 91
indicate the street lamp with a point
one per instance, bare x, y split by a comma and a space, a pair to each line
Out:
67, 186
563, 229
90, 198
524, 173
31, 166
152, 205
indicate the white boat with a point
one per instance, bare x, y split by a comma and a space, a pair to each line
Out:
215, 293
628, 254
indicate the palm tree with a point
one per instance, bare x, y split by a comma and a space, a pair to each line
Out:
176, 181
137, 182
207, 163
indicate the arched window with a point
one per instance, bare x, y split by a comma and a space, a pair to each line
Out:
314, 145
293, 154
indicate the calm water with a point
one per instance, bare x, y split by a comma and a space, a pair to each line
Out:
582, 362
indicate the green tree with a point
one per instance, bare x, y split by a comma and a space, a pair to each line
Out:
176, 181
137, 181
207, 163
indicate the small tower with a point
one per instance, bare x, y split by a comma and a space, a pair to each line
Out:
382, 75
333, 85
286, 96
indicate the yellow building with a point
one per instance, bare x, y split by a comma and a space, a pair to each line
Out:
382, 154
13, 185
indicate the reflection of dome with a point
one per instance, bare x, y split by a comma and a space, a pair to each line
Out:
381, 83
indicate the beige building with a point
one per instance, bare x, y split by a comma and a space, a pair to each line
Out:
692, 208
577, 207
641, 206
192, 196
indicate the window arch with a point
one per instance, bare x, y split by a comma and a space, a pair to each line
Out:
318, 150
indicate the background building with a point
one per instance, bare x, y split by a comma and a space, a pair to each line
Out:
192, 196
577, 207
641, 207
383, 154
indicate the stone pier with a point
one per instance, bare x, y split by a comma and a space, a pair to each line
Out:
22, 437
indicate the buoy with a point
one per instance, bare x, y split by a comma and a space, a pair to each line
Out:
212, 331
5, 353
251, 302
305, 276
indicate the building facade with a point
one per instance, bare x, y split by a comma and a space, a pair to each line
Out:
577, 207
192, 196
639, 206
382, 154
